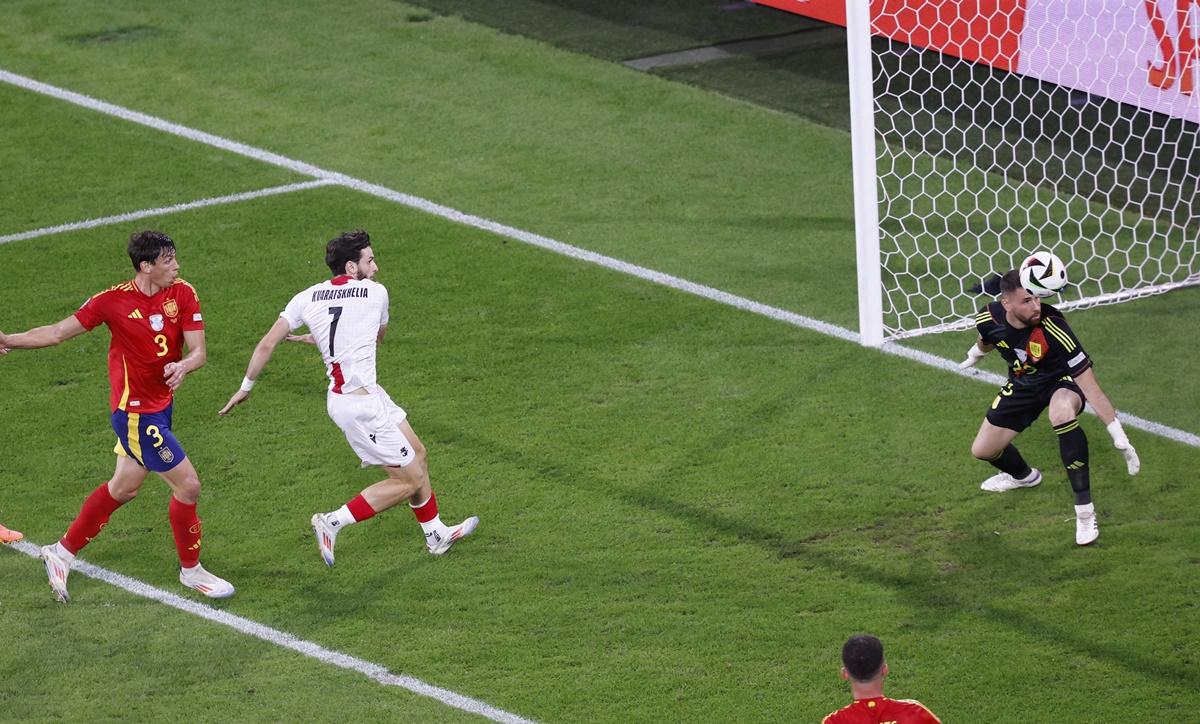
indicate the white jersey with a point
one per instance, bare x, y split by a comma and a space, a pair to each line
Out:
344, 316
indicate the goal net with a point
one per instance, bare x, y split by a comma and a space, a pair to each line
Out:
1003, 127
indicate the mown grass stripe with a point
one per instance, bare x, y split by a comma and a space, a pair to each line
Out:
285, 640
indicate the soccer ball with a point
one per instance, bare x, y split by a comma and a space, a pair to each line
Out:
1043, 274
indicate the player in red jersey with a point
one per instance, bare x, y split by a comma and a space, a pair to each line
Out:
152, 318
864, 667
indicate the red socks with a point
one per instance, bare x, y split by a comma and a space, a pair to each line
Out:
360, 509
427, 511
99, 507
95, 513
186, 527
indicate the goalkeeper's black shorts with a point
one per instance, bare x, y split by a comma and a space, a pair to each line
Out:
1016, 407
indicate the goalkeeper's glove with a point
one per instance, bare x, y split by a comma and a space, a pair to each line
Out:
1121, 442
973, 356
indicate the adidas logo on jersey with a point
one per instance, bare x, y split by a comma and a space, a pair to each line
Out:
136, 314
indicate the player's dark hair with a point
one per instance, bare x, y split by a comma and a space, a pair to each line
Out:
1011, 282
147, 246
345, 248
862, 656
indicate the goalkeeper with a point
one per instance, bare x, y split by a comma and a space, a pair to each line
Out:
1047, 367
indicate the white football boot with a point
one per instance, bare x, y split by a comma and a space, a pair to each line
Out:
58, 562
326, 536
205, 582
1086, 528
1003, 481
439, 543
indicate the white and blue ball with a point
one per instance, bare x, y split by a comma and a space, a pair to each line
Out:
1043, 274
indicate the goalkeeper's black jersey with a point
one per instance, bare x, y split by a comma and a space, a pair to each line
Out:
1037, 355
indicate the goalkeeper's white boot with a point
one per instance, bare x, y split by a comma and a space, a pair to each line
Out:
326, 536
1003, 481
1086, 528
204, 582
439, 543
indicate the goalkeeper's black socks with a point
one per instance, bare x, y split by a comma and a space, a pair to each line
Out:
1010, 461
1073, 446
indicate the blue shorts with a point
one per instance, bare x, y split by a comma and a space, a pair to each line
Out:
147, 439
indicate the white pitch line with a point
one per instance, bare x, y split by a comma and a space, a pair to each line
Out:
163, 210
558, 247
285, 640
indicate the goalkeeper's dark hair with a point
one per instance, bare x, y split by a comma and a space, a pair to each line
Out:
345, 248
147, 246
862, 656
995, 284
1011, 282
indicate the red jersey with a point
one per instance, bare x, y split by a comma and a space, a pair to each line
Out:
147, 333
882, 710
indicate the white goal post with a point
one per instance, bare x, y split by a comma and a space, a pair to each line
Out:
985, 131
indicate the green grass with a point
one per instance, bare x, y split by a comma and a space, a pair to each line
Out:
686, 508
111, 656
66, 182
809, 81
660, 175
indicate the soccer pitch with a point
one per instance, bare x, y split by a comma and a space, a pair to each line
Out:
686, 506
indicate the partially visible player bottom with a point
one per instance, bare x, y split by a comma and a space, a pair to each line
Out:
8, 535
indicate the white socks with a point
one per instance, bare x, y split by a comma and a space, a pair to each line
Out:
341, 516
62, 551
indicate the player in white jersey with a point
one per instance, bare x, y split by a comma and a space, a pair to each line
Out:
347, 317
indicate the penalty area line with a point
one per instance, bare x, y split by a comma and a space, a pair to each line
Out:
164, 210
552, 245
285, 640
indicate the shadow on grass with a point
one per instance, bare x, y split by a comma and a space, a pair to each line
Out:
943, 589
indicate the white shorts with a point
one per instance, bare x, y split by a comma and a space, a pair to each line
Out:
372, 427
